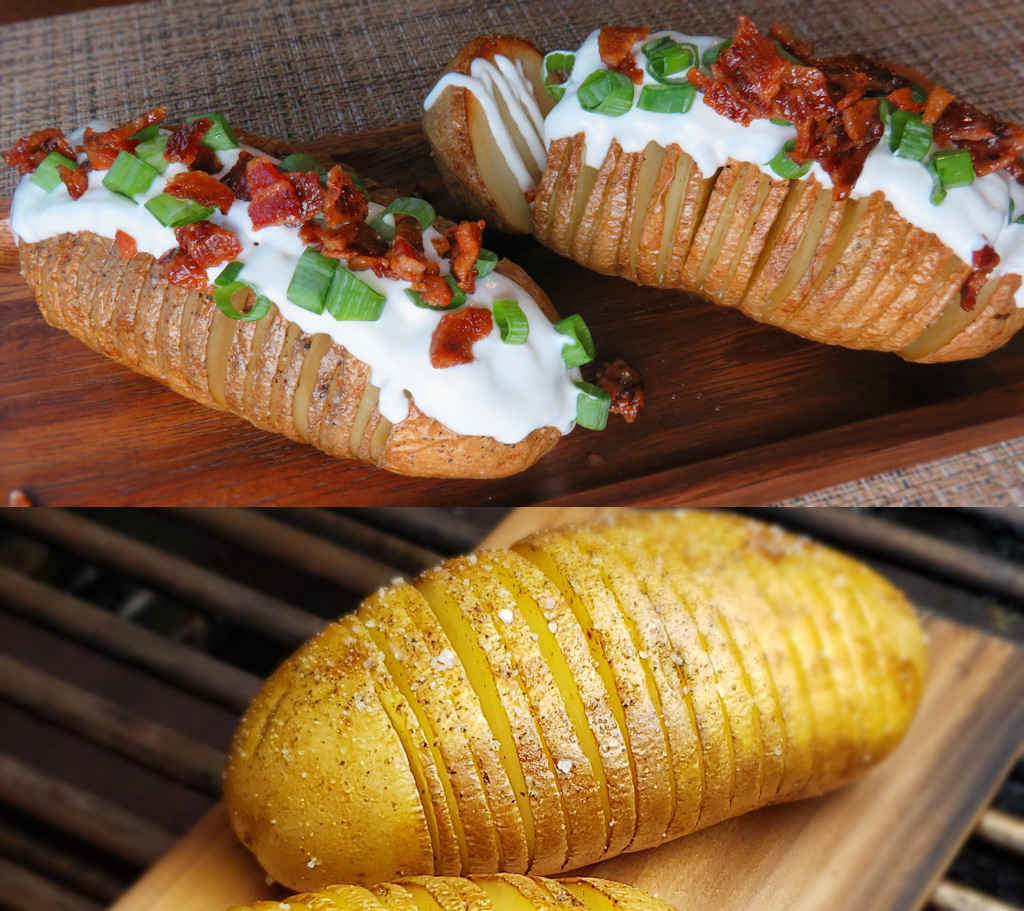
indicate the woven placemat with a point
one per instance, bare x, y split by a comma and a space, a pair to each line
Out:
298, 69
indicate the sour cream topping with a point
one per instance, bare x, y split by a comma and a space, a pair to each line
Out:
506, 392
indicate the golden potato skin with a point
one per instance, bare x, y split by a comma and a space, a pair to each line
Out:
667, 671
268, 372
502, 892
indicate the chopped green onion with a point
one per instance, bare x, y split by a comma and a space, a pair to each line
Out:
938, 190
46, 174
349, 298
152, 152
313, 275
606, 92
1019, 220
779, 122
581, 350
458, 296
146, 133
918, 94
228, 274
419, 209
487, 260
782, 50
909, 136
223, 297
129, 175
172, 212
220, 136
885, 107
513, 326
713, 53
560, 62
592, 405
954, 167
785, 167
667, 99
667, 57
300, 161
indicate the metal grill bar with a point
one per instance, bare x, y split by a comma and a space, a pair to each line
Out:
112, 726
37, 854
950, 896
438, 525
184, 666
1003, 830
26, 891
283, 622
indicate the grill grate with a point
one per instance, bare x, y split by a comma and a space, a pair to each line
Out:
132, 639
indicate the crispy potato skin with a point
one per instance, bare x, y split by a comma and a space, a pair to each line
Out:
479, 893
714, 664
268, 372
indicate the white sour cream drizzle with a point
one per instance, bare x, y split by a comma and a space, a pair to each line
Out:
506, 392
968, 219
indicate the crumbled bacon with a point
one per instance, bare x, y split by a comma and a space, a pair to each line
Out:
466, 239
281, 199
937, 102
27, 153
994, 144
344, 201
407, 263
408, 228
103, 147
75, 179
356, 243
616, 46
904, 99
126, 244
456, 333
185, 143
983, 262
625, 386
203, 188
442, 245
180, 269
208, 244
310, 192
235, 178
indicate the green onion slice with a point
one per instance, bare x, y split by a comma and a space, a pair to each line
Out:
46, 174
152, 152
223, 297
581, 349
909, 136
779, 122
300, 161
938, 190
782, 50
147, 133
419, 209
667, 99
954, 167
129, 175
349, 298
311, 280
513, 326
668, 58
560, 62
785, 167
1019, 220
488, 259
885, 108
458, 296
220, 136
172, 212
592, 405
228, 274
713, 53
918, 94
606, 92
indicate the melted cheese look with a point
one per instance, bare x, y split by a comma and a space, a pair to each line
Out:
506, 392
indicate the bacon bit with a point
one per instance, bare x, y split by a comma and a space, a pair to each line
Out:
310, 192
203, 188
798, 48
345, 202
466, 239
453, 339
27, 153
126, 244
859, 118
938, 101
208, 244
180, 269
356, 243
904, 99
531, 195
983, 261
102, 148
616, 45
625, 386
434, 290
184, 143
409, 229
441, 245
994, 144
235, 178
407, 263
75, 179
274, 200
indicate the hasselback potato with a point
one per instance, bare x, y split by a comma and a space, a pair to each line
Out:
587, 692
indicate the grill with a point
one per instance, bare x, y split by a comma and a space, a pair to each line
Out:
132, 640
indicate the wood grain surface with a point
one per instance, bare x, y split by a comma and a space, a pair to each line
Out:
879, 845
736, 412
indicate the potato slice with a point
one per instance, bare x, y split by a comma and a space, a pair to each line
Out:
656, 214
713, 224
425, 899
607, 895
645, 179
613, 216
589, 225
683, 223
738, 241
564, 212
394, 897
544, 203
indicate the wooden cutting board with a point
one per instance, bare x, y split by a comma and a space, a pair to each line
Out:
737, 412
879, 845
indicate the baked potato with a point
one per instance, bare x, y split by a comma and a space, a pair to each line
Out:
504, 892
587, 692
286, 371
789, 252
